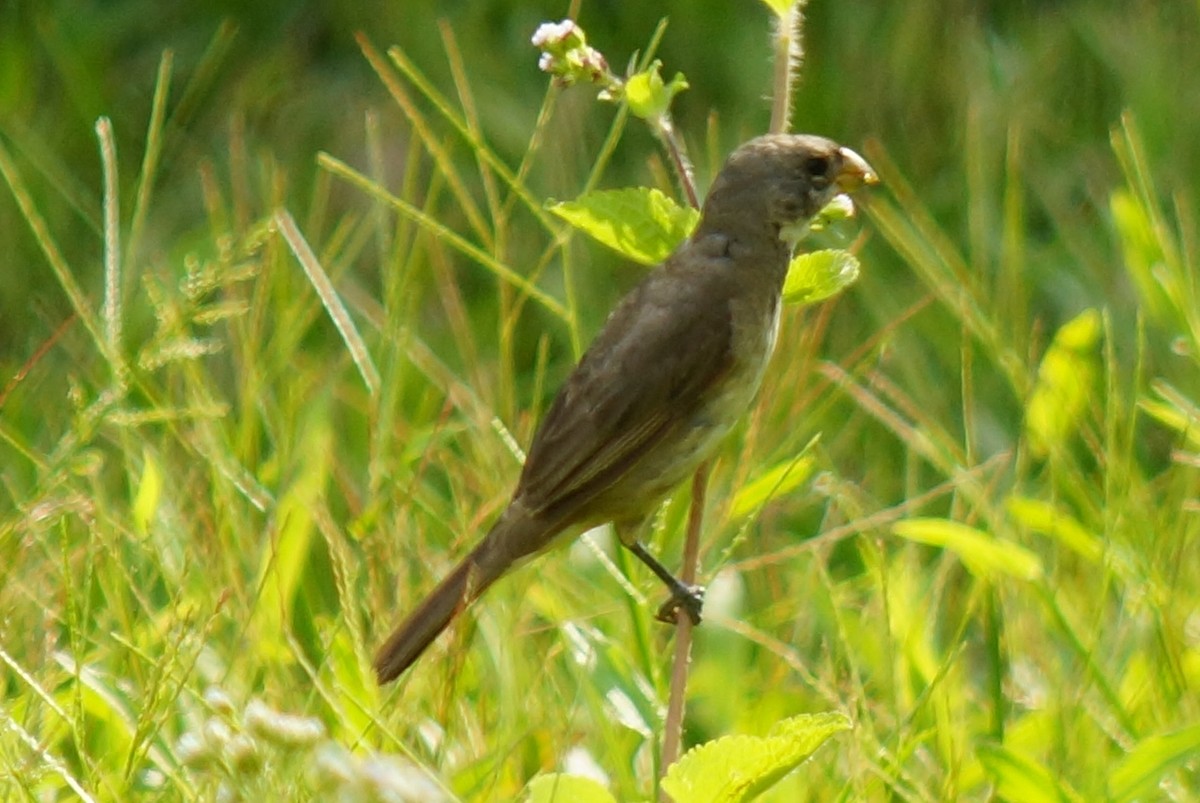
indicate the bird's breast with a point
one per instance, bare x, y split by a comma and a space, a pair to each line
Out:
755, 331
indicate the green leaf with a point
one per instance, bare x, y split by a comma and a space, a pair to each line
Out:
1020, 778
819, 275
559, 787
640, 223
1064, 386
648, 97
1056, 523
1138, 774
774, 483
738, 768
982, 554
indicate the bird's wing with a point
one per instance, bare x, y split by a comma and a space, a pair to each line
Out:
659, 355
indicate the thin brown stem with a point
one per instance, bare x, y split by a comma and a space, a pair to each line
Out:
679, 160
673, 728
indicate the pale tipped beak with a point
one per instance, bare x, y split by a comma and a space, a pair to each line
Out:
855, 171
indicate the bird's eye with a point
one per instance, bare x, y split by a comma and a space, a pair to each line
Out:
818, 167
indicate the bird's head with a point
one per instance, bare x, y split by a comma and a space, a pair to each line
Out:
779, 182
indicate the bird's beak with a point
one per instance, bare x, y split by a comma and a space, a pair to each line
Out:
855, 171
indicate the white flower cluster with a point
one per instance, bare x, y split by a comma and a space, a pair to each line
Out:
567, 56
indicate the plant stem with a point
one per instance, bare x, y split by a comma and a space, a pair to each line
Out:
789, 52
673, 728
666, 132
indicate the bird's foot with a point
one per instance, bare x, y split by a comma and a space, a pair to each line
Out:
688, 598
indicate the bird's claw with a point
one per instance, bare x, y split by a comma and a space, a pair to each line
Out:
688, 598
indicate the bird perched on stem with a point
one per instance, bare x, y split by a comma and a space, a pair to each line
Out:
676, 365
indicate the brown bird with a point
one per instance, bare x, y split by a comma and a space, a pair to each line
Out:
676, 365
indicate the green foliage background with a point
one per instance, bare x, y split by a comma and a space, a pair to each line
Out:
226, 503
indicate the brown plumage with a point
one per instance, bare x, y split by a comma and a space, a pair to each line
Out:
675, 366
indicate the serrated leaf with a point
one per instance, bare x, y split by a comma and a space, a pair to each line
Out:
1064, 384
739, 768
982, 554
559, 787
773, 483
1020, 778
1138, 774
639, 223
819, 275
1056, 523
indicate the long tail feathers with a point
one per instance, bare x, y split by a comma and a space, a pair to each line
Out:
512, 538
423, 625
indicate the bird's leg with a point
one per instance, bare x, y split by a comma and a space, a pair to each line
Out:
689, 598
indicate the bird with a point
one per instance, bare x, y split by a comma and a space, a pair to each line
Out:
675, 366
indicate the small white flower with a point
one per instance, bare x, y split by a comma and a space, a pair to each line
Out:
591, 60
550, 34
288, 730
193, 751
579, 761
393, 778
217, 733
218, 700
334, 765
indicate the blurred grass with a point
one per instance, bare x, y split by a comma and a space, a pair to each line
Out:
229, 500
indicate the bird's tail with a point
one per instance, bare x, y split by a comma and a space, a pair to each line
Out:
512, 538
